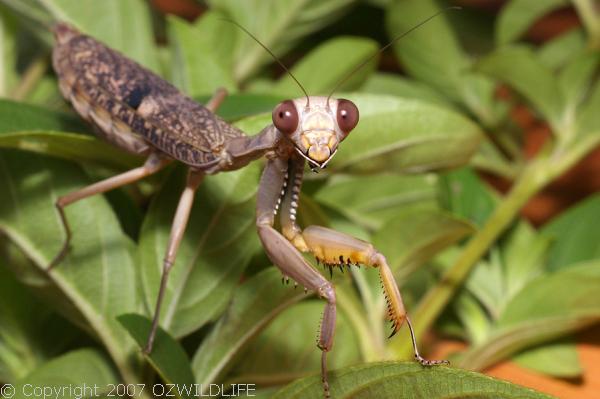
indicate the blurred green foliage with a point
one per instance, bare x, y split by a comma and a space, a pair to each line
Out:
405, 180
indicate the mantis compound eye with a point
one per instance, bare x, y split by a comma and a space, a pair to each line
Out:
285, 117
347, 115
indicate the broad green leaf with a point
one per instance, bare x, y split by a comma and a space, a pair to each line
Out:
547, 308
517, 66
399, 135
86, 371
8, 52
420, 55
218, 243
278, 356
30, 332
466, 196
16, 117
122, 25
473, 317
413, 237
37, 129
432, 52
406, 380
243, 105
558, 359
372, 202
255, 304
168, 358
392, 84
574, 79
573, 235
322, 69
517, 16
588, 118
524, 256
561, 49
277, 24
98, 276
486, 283
81, 148
197, 67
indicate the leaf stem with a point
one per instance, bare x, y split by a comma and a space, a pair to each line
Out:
437, 298
591, 20
33, 74
538, 173
349, 304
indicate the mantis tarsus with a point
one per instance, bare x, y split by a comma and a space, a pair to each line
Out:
139, 112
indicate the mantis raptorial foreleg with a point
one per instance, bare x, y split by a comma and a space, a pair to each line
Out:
287, 258
332, 248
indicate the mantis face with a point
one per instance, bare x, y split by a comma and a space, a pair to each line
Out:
317, 126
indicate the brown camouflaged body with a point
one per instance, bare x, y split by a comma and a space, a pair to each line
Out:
133, 107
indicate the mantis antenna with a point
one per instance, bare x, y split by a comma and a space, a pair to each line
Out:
362, 64
272, 55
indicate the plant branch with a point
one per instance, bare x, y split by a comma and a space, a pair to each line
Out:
437, 298
591, 20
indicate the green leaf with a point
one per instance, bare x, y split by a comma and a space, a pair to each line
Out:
398, 135
588, 118
518, 66
72, 147
218, 243
75, 370
524, 255
574, 235
168, 358
574, 79
406, 380
372, 202
547, 308
466, 196
98, 276
278, 25
411, 238
243, 105
561, 49
197, 67
16, 117
387, 83
422, 52
30, 332
518, 15
558, 359
37, 129
326, 59
255, 304
278, 356
122, 25
8, 51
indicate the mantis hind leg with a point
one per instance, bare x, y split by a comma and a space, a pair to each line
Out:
153, 164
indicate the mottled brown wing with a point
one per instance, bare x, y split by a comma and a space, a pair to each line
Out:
132, 106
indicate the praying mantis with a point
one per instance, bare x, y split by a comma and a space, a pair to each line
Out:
141, 113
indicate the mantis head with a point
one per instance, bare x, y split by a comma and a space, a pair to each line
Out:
317, 126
